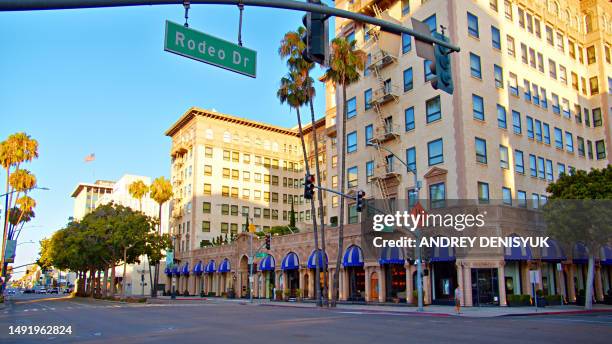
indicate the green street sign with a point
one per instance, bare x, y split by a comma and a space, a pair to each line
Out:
260, 255
199, 46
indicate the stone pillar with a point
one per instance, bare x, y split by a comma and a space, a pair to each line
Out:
599, 295
459, 267
311, 284
409, 284
368, 282
467, 282
344, 291
572, 289
501, 281
526, 284
382, 288
427, 287
561, 282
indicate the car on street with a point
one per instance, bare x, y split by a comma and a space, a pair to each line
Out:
41, 291
53, 291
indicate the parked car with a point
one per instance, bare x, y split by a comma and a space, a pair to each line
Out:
67, 290
53, 291
41, 291
28, 291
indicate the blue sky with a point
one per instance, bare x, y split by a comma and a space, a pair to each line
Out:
98, 81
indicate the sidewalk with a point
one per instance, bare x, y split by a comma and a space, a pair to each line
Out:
431, 310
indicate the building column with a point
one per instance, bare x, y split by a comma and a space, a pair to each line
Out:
599, 295
344, 292
467, 282
368, 281
311, 284
501, 281
459, 267
330, 282
382, 288
525, 279
409, 288
427, 287
560, 285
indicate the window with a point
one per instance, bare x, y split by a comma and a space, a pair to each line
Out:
600, 149
522, 198
533, 170
546, 133
511, 49
368, 63
499, 76
594, 85
481, 150
208, 170
538, 130
529, 19
493, 5
437, 195
550, 38
597, 121
527, 90
234, 210
351, 108
483, 192
552, 69
224, 209
369, 171
587, 118
501, 117
590, 149
406, 43
590, 52
516, 122
433, 109
495, 38
504, 159
226, 155
535, 93
206, 226
541, 170
478, 107
409, 117
506, 195
513, 85
563, 74
435, 152
524, 54
569, 142
367, 99
508, 9
353, 215
532, 58
581, 150
560, 169
519, 165
427, 69
558, 138
351, 174
408, 79
235, 174
206, 207
431, 22
207, 189
538, 28
350, 36
541, 62
535, 200
555, 103
405, 7
235, 157
411, 158
560, 42
530, 133
566, 108
351, 142
369, 134
543, 98
521, 17
475, 66
549, 170
226, 173
575, 85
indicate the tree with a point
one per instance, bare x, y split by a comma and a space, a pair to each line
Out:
161, 192
579, 210
17, 149
292, 47
345, 64
138, 189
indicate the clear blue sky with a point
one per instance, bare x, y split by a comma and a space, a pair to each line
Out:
98, 81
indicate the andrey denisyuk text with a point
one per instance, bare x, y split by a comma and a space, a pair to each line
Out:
464, 242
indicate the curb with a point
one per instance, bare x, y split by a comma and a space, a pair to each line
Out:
592, 311
363, 310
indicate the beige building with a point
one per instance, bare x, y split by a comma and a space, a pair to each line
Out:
87, 194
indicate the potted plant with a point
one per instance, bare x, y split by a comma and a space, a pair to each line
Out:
202, 293
231, 293
279, 295
287, 294
298, 295
554, 300
186, 292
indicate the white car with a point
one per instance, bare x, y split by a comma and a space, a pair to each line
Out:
41, 291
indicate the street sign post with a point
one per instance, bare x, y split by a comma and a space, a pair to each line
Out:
199, 46
260, 255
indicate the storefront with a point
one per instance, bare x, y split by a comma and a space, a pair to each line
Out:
553, 281
392, 260
290, 266
606, 269
267, 277
485, 287
209, 285
198, 269
225, 276
352, 262
443, 275
516, 261
185, 279
314, 258
580, 258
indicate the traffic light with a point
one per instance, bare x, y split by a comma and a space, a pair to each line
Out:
360, 201
316, 36
309, 186
441, 67
268, 240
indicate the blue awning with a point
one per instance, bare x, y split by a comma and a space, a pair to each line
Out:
312, 264
391, 255
443, 254
517, 253
225, 266
352, 256
290, 262
210, 267
168, 271
185, 270
175, 270
580, 254
606, 255
267, 263
553, 253
197, 269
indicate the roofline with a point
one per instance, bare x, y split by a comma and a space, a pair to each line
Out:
80, 186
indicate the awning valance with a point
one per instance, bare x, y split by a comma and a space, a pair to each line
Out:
225, 266
175, 270
553, 253
168, 271
442, 254
210, 267
267, 263
290, 262
198, 269
312, 263
517, 253
391, 255
580, 254
185, 270
352, 256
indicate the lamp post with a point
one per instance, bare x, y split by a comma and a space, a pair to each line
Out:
417, 232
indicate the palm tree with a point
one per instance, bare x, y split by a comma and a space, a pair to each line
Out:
293, 93
345, 63
161, 192
292, 47
138, 190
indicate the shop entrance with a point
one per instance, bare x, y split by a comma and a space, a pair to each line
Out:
485, 287
293, 282
444, 275
356, 277
395, 281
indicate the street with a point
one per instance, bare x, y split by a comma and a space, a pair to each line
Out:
233, 322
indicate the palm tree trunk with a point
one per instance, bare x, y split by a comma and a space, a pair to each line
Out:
112, 281
123, 277
342, 201
154, 284
313, 214
5, 232
320, 197
104, 282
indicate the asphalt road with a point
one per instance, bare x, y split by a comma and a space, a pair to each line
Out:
95, 321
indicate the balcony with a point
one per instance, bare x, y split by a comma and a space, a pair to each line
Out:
385, 133
389, 176
381, 59
367, 6
178, 149
385, 94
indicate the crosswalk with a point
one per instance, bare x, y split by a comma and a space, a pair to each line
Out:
75, 306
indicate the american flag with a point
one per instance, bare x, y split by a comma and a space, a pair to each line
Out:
91, 157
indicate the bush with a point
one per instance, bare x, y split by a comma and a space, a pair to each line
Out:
279, 295
554, 300
186, 292
539, 293
518, 300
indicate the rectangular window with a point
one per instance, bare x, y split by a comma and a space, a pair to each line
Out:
409, 118
600, 149
478, 107
405, 7
581, 150
513, 85
519, 164
493, 5
504, 159
508, 9
597, 121
351, 142
524, 54
532, 58
569, 142
411, 158
427, 69
481, 150
206, 226
435, 152
437, 195
367, 99
406, 43
208, 152
594, 85
433, 109
535, 200
590, 149
558, 138
535, 94
552, 69
533, 170
527, 90
560, 169
541, 170
563, 74
208, 170
590, 52
516, 122
369, 171
530, 131
475, 66
521, 17
207, 189
498, 73
353, 215
351, 177
555, 104
206, 207
543, 98
587, 117
546, 133
351, 107
226, 155
521, 198
566, 108
501, 117
540, 62
560, 42
431, 22
510, 47
224, 209
506, 195
529, 20
550, 38
483, 192
408, 84
549, 170
369, 134
495, 38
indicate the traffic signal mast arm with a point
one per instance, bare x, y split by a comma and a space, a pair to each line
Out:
31, 5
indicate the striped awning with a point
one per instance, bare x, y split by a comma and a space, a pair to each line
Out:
553, 253
198, 269
580, 254
605, 255
391, 255
267, 263
290, 262
517, 253
225, 266
352, 256
443, 254
312, 263
185, 270
210, 267
175, 270
168, 271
